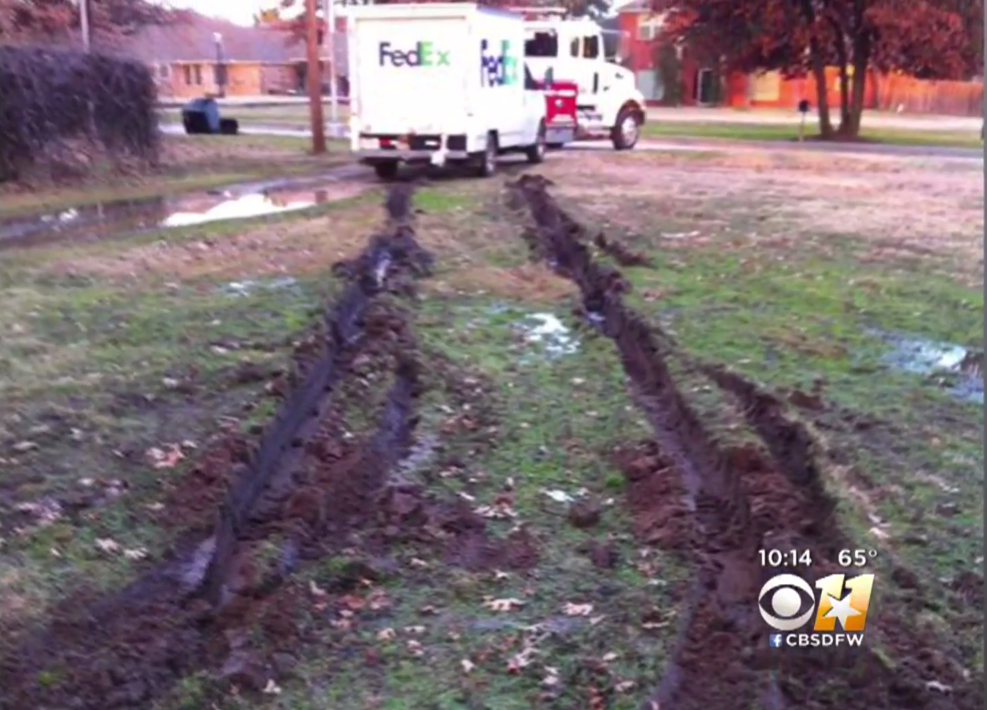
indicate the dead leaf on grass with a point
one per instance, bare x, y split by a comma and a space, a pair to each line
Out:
138, 553
315, 590
387, 634
107, 545
509, 604
22, 447
467, 665
167, 457
571, 609
272, 688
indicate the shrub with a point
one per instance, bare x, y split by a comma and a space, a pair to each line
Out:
53, 98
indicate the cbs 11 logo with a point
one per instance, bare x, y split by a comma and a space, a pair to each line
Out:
787, 602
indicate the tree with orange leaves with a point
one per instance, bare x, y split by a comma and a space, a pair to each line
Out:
924, 38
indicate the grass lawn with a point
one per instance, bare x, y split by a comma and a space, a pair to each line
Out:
297, 117
768, 132
780, 266
188, 163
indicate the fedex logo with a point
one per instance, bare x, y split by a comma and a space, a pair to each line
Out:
423, 54
497, 69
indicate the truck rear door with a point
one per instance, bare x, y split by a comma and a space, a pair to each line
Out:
410, 74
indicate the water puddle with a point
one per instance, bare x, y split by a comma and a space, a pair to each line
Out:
959, 370
243, 207
245, 288
547, 331
127, 217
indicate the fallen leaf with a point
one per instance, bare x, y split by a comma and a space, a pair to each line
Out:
54, 553
417, 630
386, 634
87, 482
941, 687
415, 647
165, 458
24, 446
608, 657
155, 507
467, 665
351, 601
415, 562
315, 590
571, 609
138, 553
624, 686
501, 575
503, 604
271, 688
107, 545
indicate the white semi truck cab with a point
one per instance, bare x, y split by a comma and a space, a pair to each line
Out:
571, 49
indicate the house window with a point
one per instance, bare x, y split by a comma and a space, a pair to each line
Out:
646, 33
162, 71
193, 74
574, 48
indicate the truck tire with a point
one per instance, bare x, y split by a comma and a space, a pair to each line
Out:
626, 130
386, 171
486, 162
536, 151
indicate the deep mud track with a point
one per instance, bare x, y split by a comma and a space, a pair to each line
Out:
255, 512
731, 503
305, 486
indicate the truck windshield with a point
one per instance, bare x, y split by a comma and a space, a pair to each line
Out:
542, 44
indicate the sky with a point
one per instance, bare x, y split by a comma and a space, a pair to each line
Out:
241, 12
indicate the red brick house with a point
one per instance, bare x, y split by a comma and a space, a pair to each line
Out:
665, 75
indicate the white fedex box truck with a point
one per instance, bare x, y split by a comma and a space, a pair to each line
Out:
440, 83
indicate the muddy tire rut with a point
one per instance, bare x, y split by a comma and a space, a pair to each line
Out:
305, 485
731, 503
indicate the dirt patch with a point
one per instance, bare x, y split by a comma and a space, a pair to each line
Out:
780, 194
741, 500
533, 282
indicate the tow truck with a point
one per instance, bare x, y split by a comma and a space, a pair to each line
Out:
587, 96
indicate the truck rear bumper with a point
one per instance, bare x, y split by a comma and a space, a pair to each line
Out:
369, 157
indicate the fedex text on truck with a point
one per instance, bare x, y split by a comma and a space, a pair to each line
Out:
423, 54
497, 69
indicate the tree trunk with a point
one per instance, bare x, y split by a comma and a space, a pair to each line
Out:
819, 72
861, 58
839, 40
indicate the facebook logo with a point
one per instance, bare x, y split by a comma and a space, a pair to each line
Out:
775, 640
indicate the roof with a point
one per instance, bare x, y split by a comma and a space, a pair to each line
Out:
193, 40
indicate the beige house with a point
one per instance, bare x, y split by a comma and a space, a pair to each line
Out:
184, 56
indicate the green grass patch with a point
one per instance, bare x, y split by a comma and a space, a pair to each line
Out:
769, 132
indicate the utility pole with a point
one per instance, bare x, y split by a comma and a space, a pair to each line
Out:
330, 43
314, 75
84, 23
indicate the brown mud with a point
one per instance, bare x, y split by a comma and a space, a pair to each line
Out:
719, 506
306, 490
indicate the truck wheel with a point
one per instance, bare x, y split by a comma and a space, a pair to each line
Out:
486, 164
536, 151
626, 131
386, 171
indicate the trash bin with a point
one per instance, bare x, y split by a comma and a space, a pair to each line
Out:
201, 116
